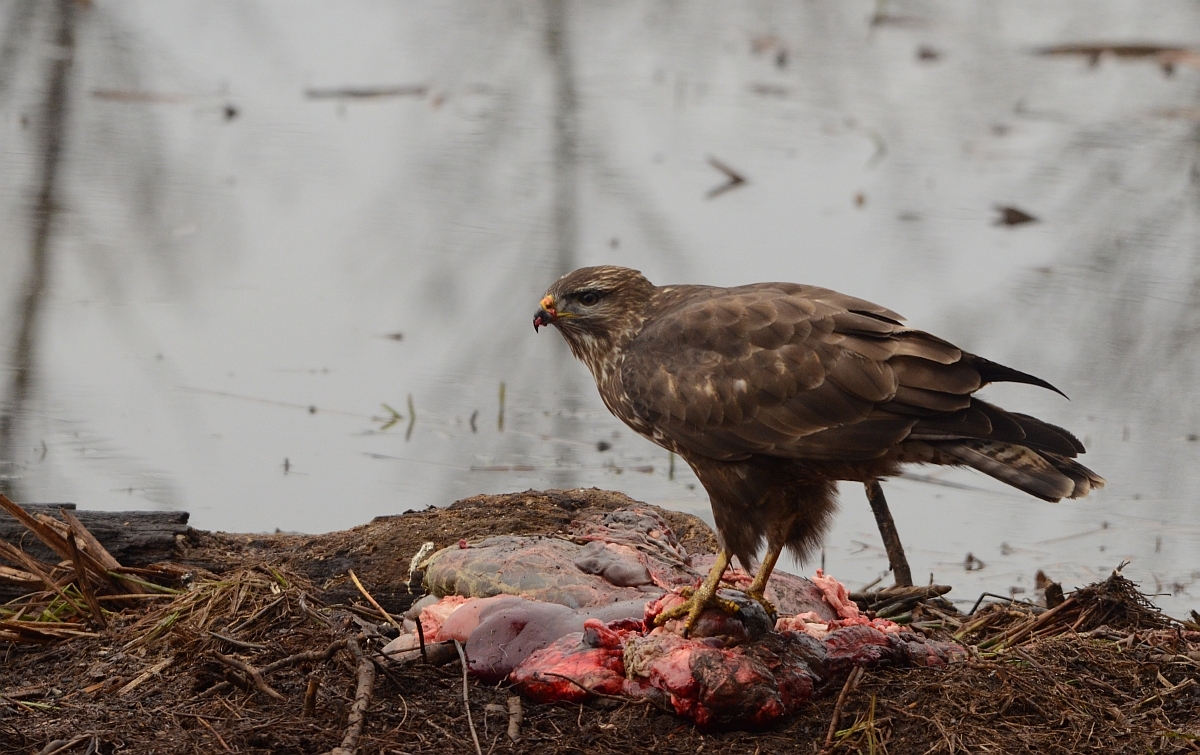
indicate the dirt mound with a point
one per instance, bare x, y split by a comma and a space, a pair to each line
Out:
263, 644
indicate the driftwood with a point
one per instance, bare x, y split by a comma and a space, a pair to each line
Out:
95, 542
134, 538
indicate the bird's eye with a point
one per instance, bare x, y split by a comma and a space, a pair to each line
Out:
588, 298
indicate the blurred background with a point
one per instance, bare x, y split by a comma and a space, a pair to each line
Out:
275, 263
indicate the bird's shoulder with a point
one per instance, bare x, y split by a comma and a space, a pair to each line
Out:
758, 315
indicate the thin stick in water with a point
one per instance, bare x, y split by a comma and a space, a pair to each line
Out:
412, 418
500, 417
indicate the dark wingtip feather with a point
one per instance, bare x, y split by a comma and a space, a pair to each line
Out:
991, 372
1049, 437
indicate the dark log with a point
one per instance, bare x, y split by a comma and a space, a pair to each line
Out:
134, 538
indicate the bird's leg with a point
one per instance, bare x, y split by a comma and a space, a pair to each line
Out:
758, 587
891, 539
702, 597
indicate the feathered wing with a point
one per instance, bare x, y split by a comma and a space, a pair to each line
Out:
803, 372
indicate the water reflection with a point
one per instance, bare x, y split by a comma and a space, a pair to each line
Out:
229, 258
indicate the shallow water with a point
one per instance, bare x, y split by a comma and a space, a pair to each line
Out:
242, 271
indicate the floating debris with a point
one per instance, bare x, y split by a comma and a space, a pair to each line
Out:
1167, 57
736, 179
500, 416
412, 419
134, 96
390, 420
1013, 216
362, 93
770, 90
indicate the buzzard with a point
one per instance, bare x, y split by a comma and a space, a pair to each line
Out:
773, 392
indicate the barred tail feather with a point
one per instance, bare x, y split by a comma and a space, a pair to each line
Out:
1044, 474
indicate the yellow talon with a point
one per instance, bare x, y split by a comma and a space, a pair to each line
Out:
700, 598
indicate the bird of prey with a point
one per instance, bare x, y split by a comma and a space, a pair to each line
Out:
772, 392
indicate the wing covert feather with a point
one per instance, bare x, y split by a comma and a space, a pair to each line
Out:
804, 372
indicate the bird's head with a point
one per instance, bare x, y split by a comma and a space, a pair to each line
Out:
595, 307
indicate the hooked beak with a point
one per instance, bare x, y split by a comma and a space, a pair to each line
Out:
546, 315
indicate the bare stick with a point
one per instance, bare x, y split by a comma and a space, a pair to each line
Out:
851, 682
259, 614
362, 699
421, 639
89, 541
887, 528
16, 555
307, 655
514, 718
735, 179
254, 674
220, 739
85, 584
238, 643
90, 545
466, 702
371, 600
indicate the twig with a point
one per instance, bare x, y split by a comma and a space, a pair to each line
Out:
1018, 632
34, 567
362, 699
85, 584
93, 547
466, 701
53, 540
307, 655
259, 614
371, 600
735, 179
366, 92
439, 654
137, 680
421, 639
851, 682
514, 718
255, 675
220, 739
500, 415
887, 529
238, 643
412, 418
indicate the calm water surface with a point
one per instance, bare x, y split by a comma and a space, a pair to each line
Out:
252, 280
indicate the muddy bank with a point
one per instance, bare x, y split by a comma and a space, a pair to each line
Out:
254, 644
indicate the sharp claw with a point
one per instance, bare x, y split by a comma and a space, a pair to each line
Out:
762, 601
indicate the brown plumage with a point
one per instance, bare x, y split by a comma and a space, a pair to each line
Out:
773, 392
